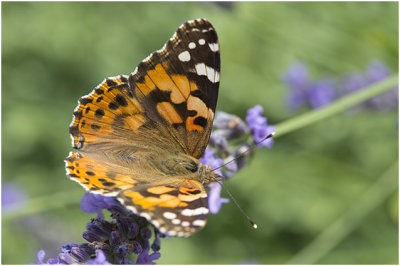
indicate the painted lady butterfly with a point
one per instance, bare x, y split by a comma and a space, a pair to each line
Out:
140, 136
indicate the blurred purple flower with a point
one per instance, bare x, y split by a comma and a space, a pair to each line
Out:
304, 91
259, 127
231, 125
70, 254
316, 94
298, 81
145, 258
99, 260
95, 203
214, 198
211, 159
321, 93
40, 259
12, 197
375, 72
378, 71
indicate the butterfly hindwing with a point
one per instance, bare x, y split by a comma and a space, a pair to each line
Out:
176, 208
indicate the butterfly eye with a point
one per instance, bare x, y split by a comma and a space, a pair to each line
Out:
191, 167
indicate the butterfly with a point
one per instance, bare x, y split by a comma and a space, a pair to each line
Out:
139, 137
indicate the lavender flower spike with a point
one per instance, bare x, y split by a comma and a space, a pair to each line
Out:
145, 258
99, 260
214, 200
259, 127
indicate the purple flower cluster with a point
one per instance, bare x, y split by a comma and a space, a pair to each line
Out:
259, 127
110, 242
305, 92
226, 155
376, 71
12, 197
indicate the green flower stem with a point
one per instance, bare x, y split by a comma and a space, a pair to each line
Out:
334, 233
336, 107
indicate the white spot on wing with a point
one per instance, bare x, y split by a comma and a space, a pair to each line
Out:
184, 56
185, 223
193, 212
145, 215
211, 73
192, 45
176, 221
201, 69
214, 47
199, 222
156, 223
169, 215
202, 41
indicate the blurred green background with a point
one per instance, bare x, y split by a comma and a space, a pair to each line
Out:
309, 186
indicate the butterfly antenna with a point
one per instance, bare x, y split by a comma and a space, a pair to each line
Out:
246, 151
253, 224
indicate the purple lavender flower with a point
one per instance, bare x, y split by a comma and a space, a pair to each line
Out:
231, 125
70, 254
304, 91
214, 198
259, 127
145, 258
99, 260
321, 93
12, 197
111, 241
40, 256
95, 203
211, 159
298, 81
375, 72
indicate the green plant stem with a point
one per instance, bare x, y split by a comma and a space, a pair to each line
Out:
380, 190
336, 107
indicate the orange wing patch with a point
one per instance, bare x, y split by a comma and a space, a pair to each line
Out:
148, 203
168, 112
95, 176
102, 114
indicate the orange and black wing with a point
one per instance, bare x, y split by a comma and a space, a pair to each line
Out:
170, 98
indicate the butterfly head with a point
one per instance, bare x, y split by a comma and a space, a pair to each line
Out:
207, 175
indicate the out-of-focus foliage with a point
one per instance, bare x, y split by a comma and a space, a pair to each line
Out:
54, 53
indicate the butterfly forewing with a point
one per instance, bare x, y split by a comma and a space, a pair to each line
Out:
178, 85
